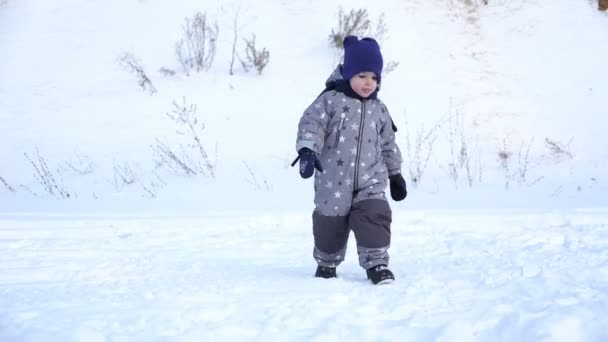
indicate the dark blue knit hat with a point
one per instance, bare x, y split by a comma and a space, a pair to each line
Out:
361, 56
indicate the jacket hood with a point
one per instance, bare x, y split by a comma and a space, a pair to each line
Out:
335, 76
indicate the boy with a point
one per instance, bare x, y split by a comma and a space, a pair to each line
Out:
347, 135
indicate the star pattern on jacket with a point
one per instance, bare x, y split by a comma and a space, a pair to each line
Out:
348, 134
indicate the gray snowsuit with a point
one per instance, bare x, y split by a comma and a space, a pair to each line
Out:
355, 141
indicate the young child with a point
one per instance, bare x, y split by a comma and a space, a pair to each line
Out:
347, 135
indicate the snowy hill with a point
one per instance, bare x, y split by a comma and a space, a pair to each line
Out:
103, 237
507, 77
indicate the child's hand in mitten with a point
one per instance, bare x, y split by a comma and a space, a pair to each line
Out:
308, 162
398, 188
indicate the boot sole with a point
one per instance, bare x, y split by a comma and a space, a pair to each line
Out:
385, 281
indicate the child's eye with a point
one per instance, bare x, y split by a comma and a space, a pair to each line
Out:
374, 78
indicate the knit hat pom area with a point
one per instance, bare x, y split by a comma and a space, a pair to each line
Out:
361, 55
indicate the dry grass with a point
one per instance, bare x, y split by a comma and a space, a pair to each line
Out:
355, 22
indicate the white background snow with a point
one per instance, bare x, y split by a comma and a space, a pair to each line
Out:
518, 254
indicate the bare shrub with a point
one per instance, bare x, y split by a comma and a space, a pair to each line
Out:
524, 164
177, 161
185, 116
419, 151
602, 5
464, 156
196, 51
454, 163
558, 151
254, 58
471, 3
152, 187
47, 178
516, 166
235, 37
27, 188
166, 72
123, 176
357, 23
8, 186
132, 64
390, 67
260, 184
181, 159
80, 164
504, 160
379, 31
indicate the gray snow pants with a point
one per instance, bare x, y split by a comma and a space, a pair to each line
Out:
369, 219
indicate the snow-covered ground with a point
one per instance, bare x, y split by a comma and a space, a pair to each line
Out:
508, 243
476, 275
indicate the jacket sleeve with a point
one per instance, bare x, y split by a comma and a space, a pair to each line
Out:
312, 128
390, 151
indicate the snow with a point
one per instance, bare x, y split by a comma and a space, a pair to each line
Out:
473, 275
498, 254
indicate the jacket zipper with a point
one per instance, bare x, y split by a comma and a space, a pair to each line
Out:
358, 156
342, 116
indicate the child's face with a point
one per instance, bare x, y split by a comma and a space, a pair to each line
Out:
364, 83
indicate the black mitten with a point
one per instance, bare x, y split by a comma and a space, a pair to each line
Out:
398, 188
308, 162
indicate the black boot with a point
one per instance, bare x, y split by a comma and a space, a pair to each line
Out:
325, 272
380, 275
